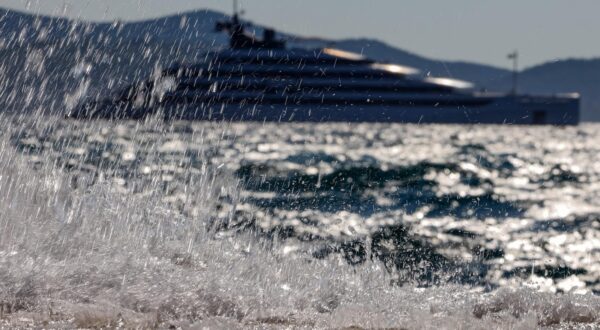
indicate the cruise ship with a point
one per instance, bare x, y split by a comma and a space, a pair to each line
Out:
261, 79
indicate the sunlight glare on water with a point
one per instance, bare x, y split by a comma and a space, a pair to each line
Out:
153, 224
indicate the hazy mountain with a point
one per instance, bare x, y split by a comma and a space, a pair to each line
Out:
20, 28
48, 62
571, 75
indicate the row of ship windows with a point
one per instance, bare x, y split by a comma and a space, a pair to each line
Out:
292, 61
285, 73
307, 88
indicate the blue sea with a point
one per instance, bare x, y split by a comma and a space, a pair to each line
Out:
246, 225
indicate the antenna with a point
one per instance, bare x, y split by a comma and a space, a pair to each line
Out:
514, 56
235, 7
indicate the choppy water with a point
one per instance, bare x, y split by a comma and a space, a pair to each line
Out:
250, 225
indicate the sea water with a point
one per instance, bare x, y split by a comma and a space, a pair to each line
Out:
240, 225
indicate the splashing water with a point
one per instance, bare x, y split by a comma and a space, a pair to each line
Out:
138, 225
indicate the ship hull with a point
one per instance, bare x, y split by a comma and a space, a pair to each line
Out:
518, 110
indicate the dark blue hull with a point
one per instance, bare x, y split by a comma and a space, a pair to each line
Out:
521, 110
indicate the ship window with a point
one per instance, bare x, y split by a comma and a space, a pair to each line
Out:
539, 117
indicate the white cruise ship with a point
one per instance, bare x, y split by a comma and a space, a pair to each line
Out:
263, 80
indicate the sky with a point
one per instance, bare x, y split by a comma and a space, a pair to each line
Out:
483, 31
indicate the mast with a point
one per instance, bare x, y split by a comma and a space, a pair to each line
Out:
514, 56
239, 39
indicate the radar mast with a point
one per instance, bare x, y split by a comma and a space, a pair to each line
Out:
238, 37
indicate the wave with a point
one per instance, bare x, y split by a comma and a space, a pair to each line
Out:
78, 250
361, 189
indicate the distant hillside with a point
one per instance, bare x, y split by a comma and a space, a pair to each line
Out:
45, 63
48, 62
21, 28
572, 75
